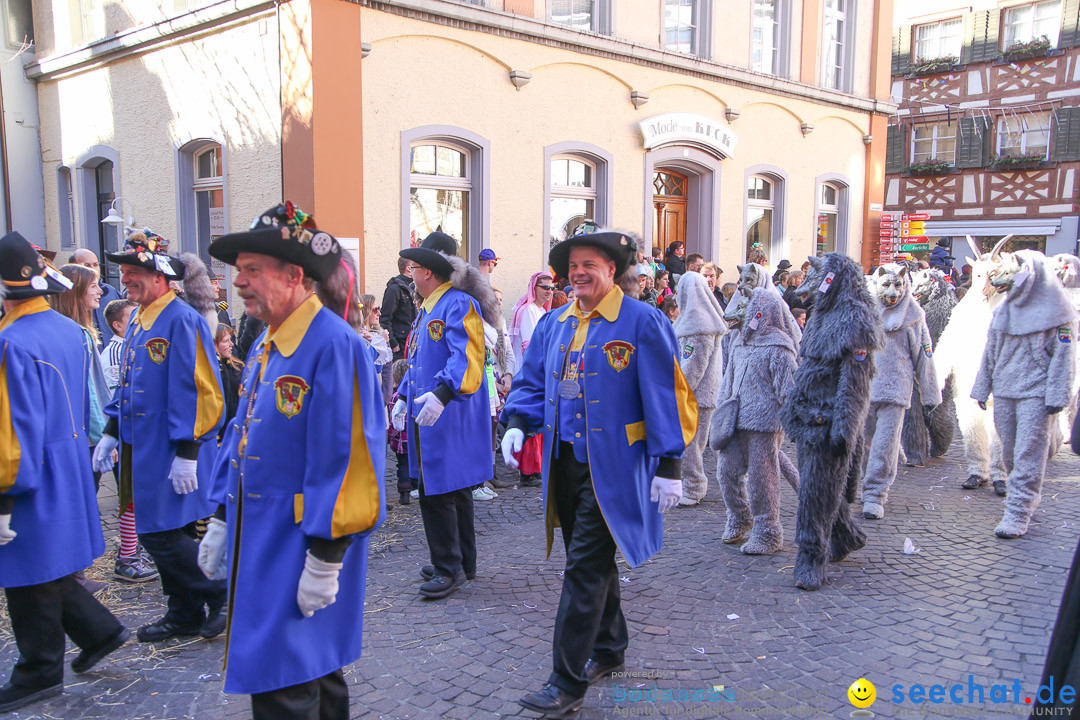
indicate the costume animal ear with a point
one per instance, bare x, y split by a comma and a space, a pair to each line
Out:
881, 270
903, 270
815, 262
740, 268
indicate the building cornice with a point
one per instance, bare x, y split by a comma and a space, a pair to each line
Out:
144, 38
520, 27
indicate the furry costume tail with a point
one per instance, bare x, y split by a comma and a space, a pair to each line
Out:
914, 438
942, 425
789, 472
198, 291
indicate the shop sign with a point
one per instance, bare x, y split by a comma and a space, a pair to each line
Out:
688, 128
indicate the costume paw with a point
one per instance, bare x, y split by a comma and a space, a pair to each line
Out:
873, 511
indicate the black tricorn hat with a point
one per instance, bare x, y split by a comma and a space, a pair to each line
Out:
146, 249
619, 247
287, 233
25, 273
433, 253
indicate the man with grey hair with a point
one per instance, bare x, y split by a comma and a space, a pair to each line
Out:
87, 258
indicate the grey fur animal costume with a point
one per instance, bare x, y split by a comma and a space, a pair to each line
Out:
921, 438
745, 428
826, 409
1028, 365
904, 363
699, 330
1067, 269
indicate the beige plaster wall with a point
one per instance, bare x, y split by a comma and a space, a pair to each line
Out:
222, 86
460, 78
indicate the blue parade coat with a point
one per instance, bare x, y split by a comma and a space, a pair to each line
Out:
446, 356
311, 466
169, 393
44, 451
639, 410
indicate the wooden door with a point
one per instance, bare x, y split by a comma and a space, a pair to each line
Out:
669, 201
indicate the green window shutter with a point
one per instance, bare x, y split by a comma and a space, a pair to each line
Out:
901, 57
1070, 24
896, 149
968, 29
975, 141
984, 40
1065, 135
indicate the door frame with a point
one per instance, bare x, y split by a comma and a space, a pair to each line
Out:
702, 172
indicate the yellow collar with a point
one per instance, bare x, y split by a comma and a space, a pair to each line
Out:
147, 316
608, 308
430, 300
29, 307
290, 333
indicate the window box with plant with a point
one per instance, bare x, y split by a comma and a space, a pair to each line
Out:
934, 66
929, 167
1039, 47
1017, 162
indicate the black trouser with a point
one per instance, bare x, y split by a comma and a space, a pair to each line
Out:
404, 482
451, 535
40, 617
326, 698
176, 554
590, 621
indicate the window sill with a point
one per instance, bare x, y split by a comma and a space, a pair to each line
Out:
1016, 167
931, 173
1009, 58
936, 71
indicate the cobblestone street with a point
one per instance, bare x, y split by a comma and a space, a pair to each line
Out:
701, 615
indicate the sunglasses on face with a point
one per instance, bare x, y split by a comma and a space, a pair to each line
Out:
545, 287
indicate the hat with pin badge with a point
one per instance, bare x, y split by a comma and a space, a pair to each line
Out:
148, 250
619, 247
287, 233
25, 273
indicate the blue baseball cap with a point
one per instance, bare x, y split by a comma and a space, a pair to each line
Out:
487, 254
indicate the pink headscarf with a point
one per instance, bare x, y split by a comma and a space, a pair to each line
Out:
527, 299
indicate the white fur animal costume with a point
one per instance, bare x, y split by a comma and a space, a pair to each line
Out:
906, 360
1028, 366
699, 330
745, 428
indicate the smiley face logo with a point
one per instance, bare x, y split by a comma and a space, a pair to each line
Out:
862, 693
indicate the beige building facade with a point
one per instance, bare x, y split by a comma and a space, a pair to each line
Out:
505, 124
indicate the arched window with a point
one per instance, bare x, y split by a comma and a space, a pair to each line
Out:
440, 184
201, 200
760, 205
65, 198
828, 217
573, 195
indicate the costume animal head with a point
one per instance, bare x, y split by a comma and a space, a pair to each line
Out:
929, 284
1006, 273
981, 268
891, 284
1067, 269
736, 309
752, 275
699, 312
1034, 297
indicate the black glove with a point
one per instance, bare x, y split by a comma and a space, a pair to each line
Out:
837, 447
1053, 410
926, 410
982, 404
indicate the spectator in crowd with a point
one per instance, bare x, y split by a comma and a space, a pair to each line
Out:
528, 310
645, 293
222, 302
658, 258
800, 316
87, 258
781, 267
568, 291
670, 308
399, 445
673, 258
781, 280
488, 263
793, 301
558, 299
398, 308
757, 256
711, 273
663, 286
231, 370
726, 292
503, 371
376, 336
804, 266
694, 261
117, 314
248, 331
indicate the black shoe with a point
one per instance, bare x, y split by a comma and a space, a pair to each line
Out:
428, 571
440, 586
1000, 488
164, 629
13, 697
596, 670
501, 484
404, 498
552, 701
531, 480
89, 658
214, 625
974, 482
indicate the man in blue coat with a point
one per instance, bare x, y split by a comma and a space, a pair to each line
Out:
602, 381
49, 523
446, 408
168, 402
298, 479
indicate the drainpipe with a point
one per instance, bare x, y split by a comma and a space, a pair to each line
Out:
4, 159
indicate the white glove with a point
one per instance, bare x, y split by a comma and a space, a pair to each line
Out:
6, 533
183, 477
512, 441
397, 415
103, 451
318, 585
212, 550
666, 492
431, 410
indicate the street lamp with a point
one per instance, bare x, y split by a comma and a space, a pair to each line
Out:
114, 218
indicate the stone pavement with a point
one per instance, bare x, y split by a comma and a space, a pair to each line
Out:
701, 615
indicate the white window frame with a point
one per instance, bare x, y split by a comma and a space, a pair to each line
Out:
938, 44
1023, 124
937, 136
461, 183
758, 33
86, 21
831, 15
602, 192
757, 204
840, 210
694, 26
600, 21
779, 242
572, 192
1014, 30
